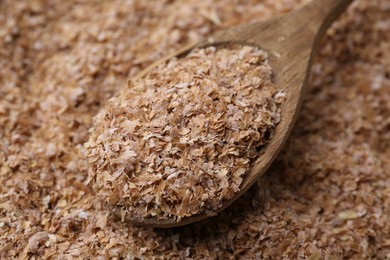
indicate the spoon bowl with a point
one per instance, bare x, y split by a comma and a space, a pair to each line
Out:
290, 41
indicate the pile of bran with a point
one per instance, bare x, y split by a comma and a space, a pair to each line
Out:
326, 196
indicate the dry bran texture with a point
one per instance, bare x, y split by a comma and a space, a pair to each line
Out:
326, 197
179, 141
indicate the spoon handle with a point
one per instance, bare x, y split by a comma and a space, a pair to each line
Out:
304, 28
321, 13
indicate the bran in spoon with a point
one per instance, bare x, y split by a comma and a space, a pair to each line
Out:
180, 141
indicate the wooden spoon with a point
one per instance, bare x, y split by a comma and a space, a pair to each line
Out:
290, 40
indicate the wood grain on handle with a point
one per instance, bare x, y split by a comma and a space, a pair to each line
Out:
323, 13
